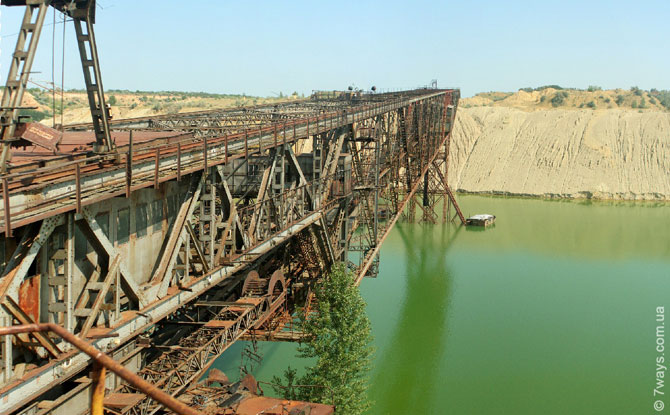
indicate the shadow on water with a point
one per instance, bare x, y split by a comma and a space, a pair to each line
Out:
406, 378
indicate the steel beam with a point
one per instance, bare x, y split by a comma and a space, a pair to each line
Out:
98, 236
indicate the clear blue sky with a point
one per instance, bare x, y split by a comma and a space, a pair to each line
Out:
261, 47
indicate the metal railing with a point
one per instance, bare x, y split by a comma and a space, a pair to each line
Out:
170, 160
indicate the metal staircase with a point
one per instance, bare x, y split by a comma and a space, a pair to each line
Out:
88, 53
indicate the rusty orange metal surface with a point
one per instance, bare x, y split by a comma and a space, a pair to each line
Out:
120, 401
250, 300
273, 406
40, 135
220, 324
73, 143
29, 297
98, 375
215, 375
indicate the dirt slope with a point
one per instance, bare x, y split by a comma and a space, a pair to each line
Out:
127, 104
574, 153
547, 141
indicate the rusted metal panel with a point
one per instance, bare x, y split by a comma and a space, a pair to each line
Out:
122, 400
40, 135
215, 375
250, 300
265, 405
29, 297
220, 324
242, 399
78, 143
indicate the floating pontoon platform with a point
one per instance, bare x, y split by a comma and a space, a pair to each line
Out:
481, 220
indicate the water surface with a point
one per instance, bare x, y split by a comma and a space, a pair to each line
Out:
552, 311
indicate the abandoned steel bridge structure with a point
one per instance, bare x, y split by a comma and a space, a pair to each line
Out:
162, 240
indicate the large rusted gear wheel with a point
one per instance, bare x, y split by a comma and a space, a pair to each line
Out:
255, 286
277, 284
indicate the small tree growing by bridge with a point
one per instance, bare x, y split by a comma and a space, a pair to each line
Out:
341, 346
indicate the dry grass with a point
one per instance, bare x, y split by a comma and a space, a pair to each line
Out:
127, 104
548, 98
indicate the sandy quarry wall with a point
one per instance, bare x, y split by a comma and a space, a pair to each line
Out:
573, 153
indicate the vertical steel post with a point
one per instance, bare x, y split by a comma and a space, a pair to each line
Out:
275, 134
204, 154
97, 389
376, 216
282, 186
425, 201
246, 144
187, 255
129, 165
6, 348
157, 167
77, 185
8, 218
117, 295
445, 203
178, 162
69, 273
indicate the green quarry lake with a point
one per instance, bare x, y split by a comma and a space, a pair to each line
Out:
552, 311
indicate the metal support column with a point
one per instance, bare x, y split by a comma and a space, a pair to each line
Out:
317, 165
278, 183
97, 389
207, 223
376, 201
18, 75
69, 272
7, 361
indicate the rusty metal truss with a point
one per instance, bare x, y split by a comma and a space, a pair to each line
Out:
149, 251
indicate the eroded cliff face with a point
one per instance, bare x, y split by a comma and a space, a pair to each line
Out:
578, 153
